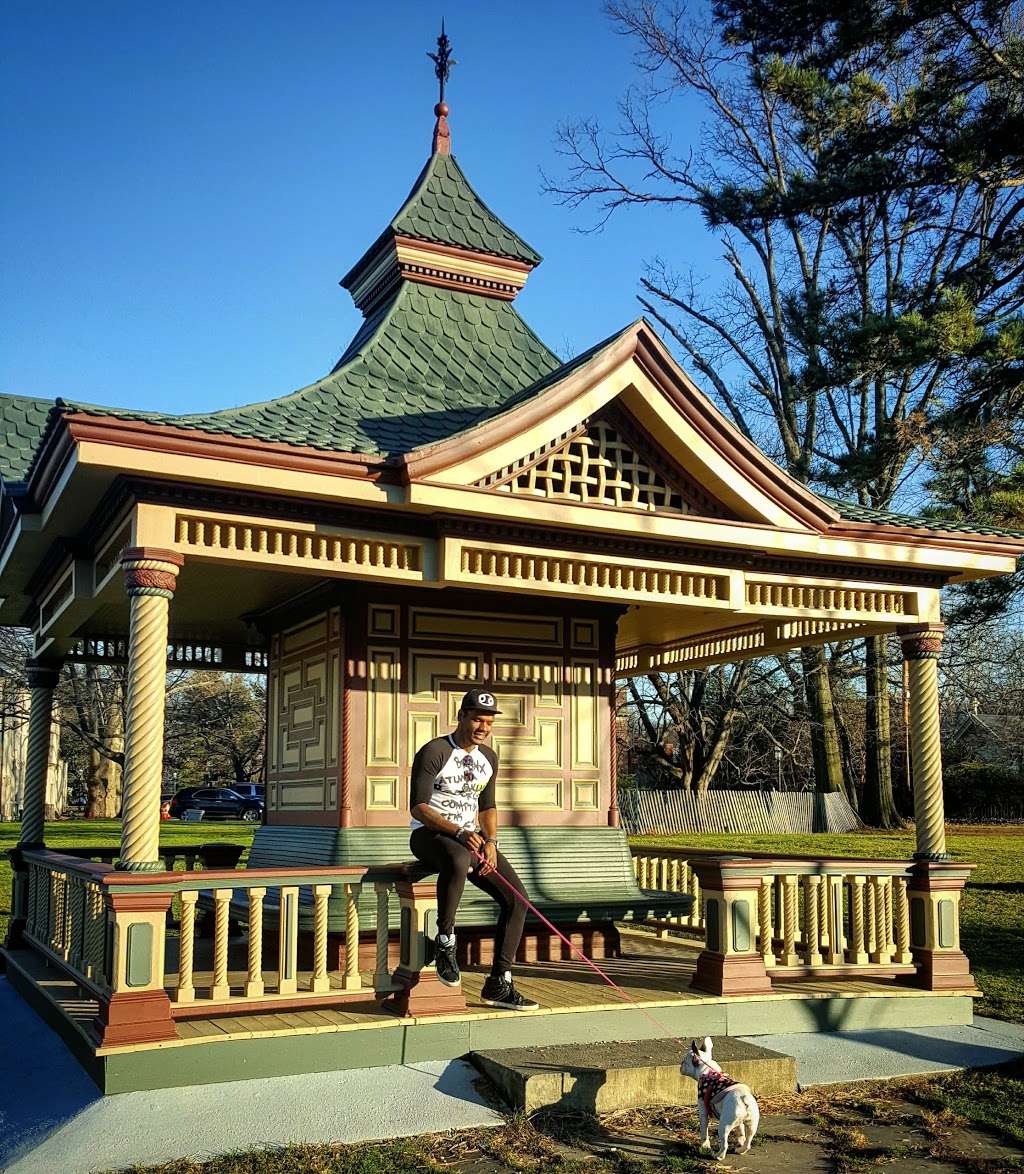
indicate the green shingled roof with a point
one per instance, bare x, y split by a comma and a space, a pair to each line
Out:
422, 368
853, 512
22, 423
443, 207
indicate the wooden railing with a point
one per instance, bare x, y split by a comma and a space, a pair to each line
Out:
813, 915
108, 930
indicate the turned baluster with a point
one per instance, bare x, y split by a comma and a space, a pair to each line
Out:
856, 954
254, 986
220, 989
351, 980
901, 912
765, 929
320, 982
789, 912
186, 991
812, 926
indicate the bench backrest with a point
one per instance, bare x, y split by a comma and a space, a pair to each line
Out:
556, 864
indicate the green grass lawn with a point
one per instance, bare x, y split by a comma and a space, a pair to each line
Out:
98, 833
992, 912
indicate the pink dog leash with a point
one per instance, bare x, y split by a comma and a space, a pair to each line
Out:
579, 953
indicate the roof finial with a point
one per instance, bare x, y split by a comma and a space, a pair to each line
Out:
443, 62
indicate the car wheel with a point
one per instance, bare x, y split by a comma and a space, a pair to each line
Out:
251, 815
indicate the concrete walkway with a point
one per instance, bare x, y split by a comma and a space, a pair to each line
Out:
837, 1057
52, 1117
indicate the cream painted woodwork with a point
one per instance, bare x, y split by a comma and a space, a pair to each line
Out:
599, 464
554, 703
304, 699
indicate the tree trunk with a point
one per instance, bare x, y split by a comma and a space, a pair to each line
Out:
851, 771
828, 764
879, 807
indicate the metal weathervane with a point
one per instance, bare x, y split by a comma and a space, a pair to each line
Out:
443, 60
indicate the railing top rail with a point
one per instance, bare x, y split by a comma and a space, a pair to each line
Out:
60, 862
718, 854
233, 878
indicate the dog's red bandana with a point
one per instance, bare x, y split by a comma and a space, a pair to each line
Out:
710, 1084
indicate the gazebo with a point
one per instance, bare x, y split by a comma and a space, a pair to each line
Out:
450, 504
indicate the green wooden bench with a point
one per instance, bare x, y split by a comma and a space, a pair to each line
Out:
572, 875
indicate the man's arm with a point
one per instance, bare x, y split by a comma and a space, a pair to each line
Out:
425, 768
489, 819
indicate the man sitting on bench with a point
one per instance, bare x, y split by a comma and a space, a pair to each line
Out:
453, 783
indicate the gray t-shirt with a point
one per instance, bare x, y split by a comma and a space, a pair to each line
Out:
456, 783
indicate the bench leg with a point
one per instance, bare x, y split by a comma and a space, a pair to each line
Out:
420, 991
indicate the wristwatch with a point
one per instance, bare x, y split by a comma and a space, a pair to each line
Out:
491, 840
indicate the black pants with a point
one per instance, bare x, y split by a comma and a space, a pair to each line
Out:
454, 863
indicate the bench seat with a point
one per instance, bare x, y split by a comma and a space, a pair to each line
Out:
571, 874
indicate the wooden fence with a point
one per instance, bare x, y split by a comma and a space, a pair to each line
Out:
646, 812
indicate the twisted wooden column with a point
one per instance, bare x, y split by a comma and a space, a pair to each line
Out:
921, 649
42, 680
150, 577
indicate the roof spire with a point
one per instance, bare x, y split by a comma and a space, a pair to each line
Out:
443, 62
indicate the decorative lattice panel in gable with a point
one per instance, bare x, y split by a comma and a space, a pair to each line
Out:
600, 463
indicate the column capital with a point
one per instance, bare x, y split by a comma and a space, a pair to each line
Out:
922, 643
41, 676
150, 570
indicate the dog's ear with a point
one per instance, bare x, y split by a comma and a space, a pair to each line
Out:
694, 1048
707, 1045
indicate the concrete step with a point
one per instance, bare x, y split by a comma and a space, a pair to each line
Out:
604, 1077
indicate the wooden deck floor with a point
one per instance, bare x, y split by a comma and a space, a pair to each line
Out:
653, 973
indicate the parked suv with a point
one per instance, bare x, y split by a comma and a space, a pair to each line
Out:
250, 791
223, 803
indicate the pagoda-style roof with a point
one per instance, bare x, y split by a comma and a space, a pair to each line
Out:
444, 209
23, 420
421, 368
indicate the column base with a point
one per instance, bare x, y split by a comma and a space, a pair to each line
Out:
140, 866
422, 993
141, 1017
733, 974
946, 971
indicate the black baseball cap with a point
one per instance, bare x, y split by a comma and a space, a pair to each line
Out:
481, 700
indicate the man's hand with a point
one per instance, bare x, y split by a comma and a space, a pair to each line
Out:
473, 840
490, 853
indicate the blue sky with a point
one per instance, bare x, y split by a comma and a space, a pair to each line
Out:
186, 184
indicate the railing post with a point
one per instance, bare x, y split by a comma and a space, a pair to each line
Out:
381, 973
730, 964
934, 893
418, 991
137, 1009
